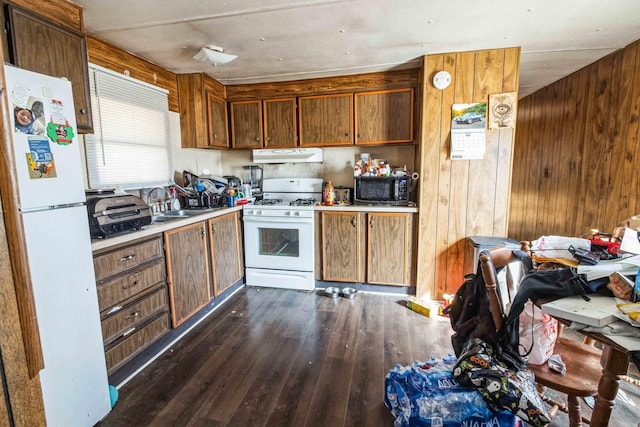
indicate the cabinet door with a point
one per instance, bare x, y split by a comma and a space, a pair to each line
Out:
226, 251
341, 242
187, 270
246, 124
326, 120
384, 117
280, 123
217, 121
41, 46
388, 248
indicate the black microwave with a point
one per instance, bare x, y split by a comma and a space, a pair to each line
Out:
381, 190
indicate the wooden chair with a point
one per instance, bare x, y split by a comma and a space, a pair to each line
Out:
582, 360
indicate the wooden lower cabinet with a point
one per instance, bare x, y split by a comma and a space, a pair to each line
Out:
225, 240
123, 350
386, 236
388, 248
342, 259
187, 270
132, 297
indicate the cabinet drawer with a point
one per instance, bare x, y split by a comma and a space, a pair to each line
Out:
115, 262
125, 286
125, 349
134, 314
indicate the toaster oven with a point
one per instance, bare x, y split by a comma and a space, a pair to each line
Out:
114, 213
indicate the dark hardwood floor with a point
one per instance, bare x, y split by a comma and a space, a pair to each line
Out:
282, 358
273, 357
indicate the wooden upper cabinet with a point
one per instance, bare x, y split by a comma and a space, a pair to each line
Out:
263, 124
246, 124
203, 114
217, 123
39, 45
384, 116
326, 120
280, 125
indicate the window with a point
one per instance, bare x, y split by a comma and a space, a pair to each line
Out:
130, 147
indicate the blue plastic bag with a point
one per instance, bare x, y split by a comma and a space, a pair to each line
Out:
425, 394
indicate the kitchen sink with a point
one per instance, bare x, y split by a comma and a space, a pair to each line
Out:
182, 213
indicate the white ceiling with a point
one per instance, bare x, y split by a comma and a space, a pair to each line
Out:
280, 40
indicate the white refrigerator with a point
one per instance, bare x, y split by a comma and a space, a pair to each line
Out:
52, 201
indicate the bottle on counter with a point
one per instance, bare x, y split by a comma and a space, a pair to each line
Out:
329, 194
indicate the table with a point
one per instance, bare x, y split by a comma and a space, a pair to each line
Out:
614, 362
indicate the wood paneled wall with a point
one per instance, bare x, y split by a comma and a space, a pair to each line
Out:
577, 157
350, 83
461, 198
62, 12
119, 60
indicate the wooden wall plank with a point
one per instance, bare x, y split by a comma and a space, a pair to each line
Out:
632, 177
619, 104
596, 143
450, 223
429, 154
557, 172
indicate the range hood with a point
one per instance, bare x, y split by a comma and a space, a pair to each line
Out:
287, 155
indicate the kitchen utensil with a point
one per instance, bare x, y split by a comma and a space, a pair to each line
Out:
255, 175
233, 181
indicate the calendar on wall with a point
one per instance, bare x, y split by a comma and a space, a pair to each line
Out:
468, 136
468, 144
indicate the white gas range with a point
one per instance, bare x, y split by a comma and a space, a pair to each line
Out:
279, 234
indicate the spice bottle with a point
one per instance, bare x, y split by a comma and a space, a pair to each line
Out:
329, 194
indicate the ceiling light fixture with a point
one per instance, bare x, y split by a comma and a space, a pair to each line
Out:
214, 55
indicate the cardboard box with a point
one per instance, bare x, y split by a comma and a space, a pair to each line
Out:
429, 309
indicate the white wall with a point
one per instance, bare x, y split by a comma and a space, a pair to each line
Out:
194, 160
337, 165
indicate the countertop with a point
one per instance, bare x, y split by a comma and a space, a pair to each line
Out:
160, 227
367, 208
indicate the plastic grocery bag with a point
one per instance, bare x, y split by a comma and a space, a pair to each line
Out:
538, 334
558, 246
425, 394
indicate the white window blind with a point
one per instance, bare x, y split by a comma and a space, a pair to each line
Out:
130, 146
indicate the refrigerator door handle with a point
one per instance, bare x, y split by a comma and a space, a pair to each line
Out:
52, 207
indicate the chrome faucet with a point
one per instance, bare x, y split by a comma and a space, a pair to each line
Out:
157, 207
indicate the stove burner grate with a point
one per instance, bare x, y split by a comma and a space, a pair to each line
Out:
303, 202
268, 202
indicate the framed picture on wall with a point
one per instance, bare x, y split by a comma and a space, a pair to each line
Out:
502, 110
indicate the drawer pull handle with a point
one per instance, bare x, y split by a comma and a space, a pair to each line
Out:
134, 314
354, 222
127, 332
131, 285
127, 258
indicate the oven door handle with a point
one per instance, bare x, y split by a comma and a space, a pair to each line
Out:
289, 220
